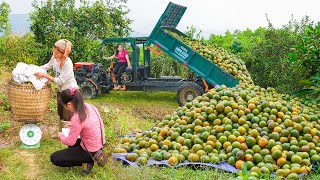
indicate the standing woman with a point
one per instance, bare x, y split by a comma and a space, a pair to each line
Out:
87, 123
123, 63
62, 67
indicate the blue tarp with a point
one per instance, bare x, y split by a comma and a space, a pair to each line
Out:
222, 165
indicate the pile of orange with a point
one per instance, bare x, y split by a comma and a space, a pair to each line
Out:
266, 131
225, 60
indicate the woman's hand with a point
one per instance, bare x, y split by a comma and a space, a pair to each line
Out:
66, 124
40, 74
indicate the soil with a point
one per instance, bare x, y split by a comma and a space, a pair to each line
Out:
151, 112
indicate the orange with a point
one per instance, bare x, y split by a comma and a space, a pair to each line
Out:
277, 129
281, 161
243, 146
242, 130
251, 106
248, 157
254, 133
280, 114
239, 164
276, 154
154, 147
226, 144
173, 160
241, 139
193, 157
263, 142
166, 142
296, 159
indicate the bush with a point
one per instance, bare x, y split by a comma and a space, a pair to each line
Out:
14, 49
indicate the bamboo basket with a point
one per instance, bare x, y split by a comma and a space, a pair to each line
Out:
27, 103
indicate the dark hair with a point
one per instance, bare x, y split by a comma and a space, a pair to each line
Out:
77, 101
117, 51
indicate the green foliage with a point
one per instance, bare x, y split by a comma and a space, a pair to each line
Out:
306, 53
164, 65
84, 25
263, 51
225, 41
267, 67
307, 50
14, 49
4, 126
4, 17
312, 89
4, 102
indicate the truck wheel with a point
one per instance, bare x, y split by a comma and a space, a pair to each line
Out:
88, 90
187, 92
80, 74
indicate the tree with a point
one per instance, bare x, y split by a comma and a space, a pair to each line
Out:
4, 17
84, 25
306, 53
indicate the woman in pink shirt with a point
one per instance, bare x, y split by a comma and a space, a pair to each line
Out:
123, 63
86, 123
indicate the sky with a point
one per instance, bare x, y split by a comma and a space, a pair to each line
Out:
210, 16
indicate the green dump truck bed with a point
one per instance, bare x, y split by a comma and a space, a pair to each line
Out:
184, 54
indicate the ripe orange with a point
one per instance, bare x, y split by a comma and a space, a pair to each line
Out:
263, 142
239, 164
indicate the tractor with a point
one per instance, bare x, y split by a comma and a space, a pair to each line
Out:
93, 79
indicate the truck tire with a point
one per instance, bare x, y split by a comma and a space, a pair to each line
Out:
80, 75
88, 90
187, 92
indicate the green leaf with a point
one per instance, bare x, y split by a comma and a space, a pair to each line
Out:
315, 77
306, 82
304, 92
305, 38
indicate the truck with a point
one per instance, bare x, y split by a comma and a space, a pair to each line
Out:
94, 80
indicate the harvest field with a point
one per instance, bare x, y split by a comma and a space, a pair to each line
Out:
250, 98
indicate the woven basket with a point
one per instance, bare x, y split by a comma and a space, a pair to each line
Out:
27, 103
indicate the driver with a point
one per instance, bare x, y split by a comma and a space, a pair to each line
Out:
124, 62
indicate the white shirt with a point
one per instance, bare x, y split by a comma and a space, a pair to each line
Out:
64, 76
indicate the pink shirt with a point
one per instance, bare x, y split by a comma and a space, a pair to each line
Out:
89, 130
122, 56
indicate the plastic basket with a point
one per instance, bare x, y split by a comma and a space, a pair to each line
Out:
27, 103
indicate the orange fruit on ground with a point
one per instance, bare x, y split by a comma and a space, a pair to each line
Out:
263, 142
166, 142
277, 129
248, 157
254, 133
241, 139
243, 146
154, 147
251, 106
239, 164
211, 143
226, 144
125, 139
280, 114
281, 161
242, 130
121, 150
296, 159
173, 160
